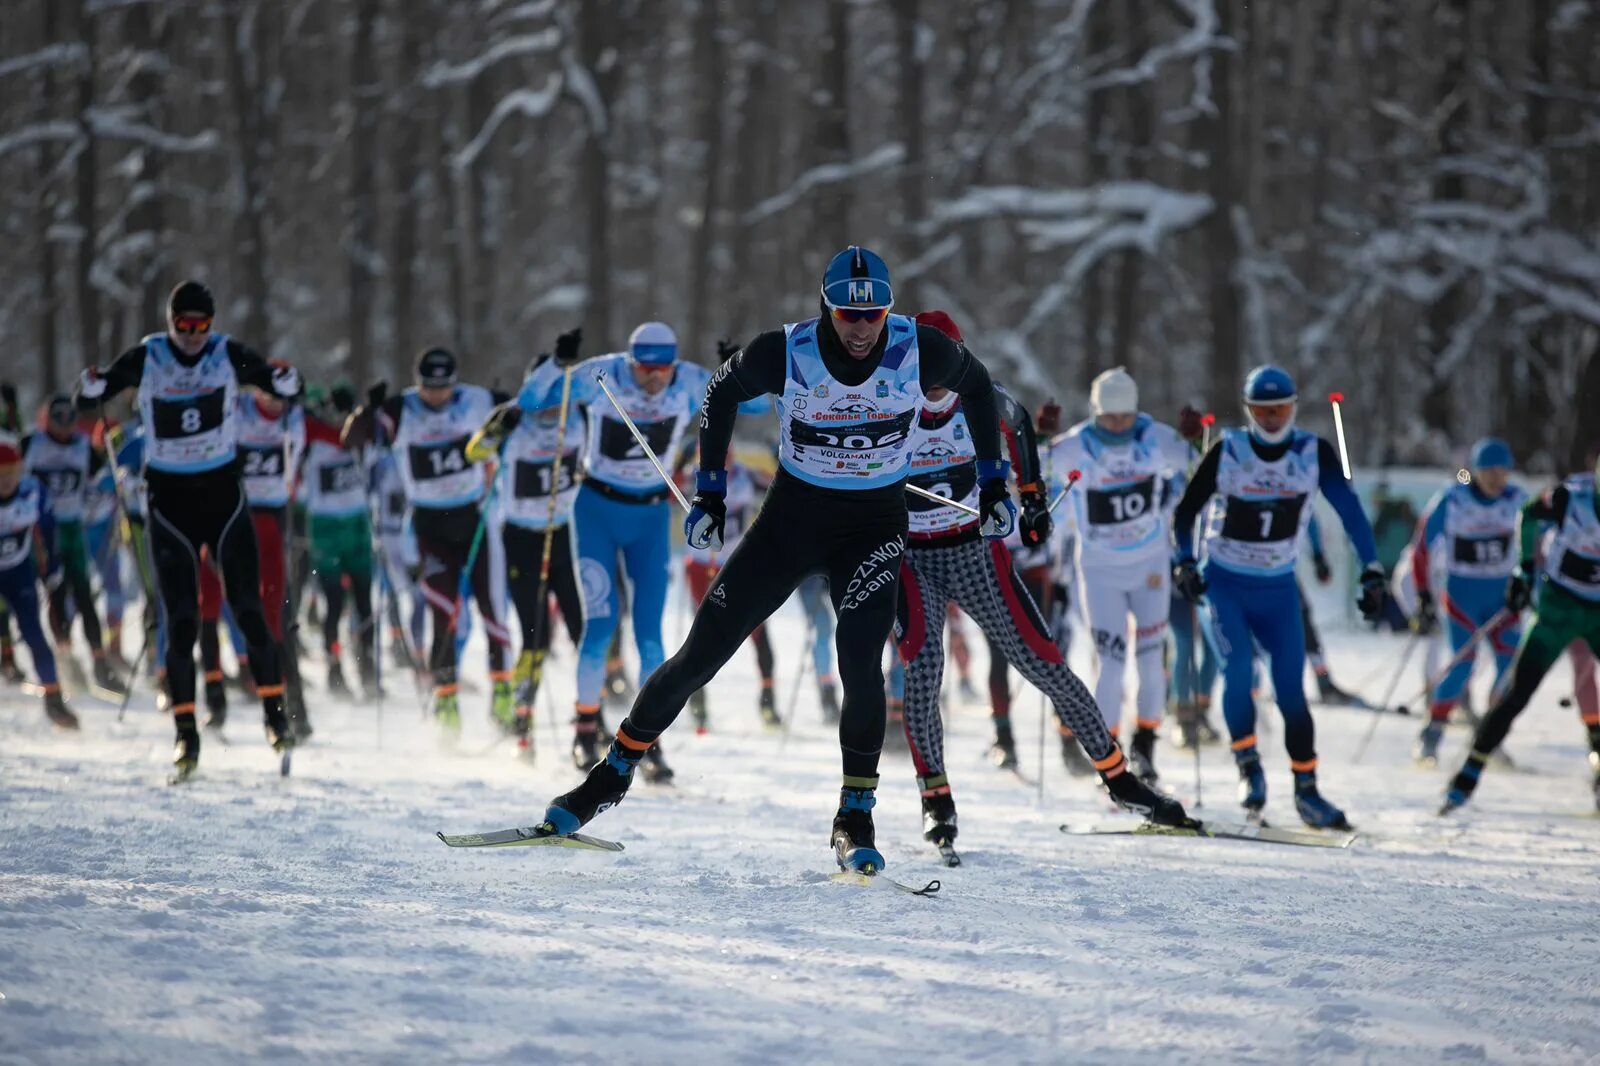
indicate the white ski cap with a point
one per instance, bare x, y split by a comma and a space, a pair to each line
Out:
1114, 392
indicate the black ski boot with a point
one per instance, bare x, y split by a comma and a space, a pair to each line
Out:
1003, 752
769, 708
829, 693
1313, 808
1334, 696
1133, 795
939, 817
56, 709
106, 677
586, 729
337, 685
216, 696
853, 839
10, 672
1142, 756
1076, 759
280, 734
656, 770
186, 758
605, 786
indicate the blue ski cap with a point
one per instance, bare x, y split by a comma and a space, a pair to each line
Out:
653, 344
1489, 453
1269, 385
857, 277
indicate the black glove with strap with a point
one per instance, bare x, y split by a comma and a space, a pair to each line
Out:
1519, 590
567, 347
1035, 521
1373, 585
1186, 580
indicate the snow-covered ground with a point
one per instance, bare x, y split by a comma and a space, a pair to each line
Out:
316, 918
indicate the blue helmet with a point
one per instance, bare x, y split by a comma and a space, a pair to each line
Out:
857, 277
653, 344
1491, 452
1269, 385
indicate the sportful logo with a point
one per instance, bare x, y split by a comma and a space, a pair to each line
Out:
861, 292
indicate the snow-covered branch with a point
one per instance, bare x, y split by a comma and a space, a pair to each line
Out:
527, 44
52, 55
532, 103
884, 157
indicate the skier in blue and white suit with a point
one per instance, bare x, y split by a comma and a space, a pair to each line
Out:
624, 506
1263, 477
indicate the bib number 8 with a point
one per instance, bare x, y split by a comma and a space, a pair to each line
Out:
189, 421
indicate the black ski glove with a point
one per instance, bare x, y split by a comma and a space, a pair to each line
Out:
1370, 598
1186, 580
377, 392
1319, 565
726, 350
1519, 590
1426, 619
1035, 520
567, 346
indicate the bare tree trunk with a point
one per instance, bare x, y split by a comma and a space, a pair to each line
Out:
87, 216
148, 216
360, 243
1450, 24
1096, 170
43, 216
913, 171
596, 32
243, 25
755, 147
831, 140
406, 163
702, 262
1139, 121
1213, 133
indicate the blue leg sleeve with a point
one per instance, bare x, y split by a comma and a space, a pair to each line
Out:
1229, 632
1275, 619
20, 590
599, 526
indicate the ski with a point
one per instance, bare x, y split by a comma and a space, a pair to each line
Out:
1264, 834
532, 836
856, 877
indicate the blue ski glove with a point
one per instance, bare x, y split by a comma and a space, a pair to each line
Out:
1186, 580
708, 511
1373, 583
996, 513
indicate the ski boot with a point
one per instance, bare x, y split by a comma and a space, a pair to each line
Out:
701, 712
1208, 732
56, 709
337, 686
656, 770
186, 758
447, 710
1188, 718
1003, 752
216, 696
1313, 809
1252, 783
1076, 759
1136, 797
853, 837
939, 818
294, 706
1142, 755
280, 734
829, 693
1464, 783
586, 727
106, 677
503, 706
769, 708
605, 786
10, 672
1426, 751
1334, 696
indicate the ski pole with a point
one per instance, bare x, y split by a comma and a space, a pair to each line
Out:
794, 690
1072, 479
600, 378
1194, 691
1383, 706
1337, 399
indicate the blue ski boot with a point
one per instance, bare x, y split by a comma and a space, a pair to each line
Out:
1427, 750
604, 787
1463, 784
1252, 781
853, 837
1315, 811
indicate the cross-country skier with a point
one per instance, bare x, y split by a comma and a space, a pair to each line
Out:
623, 507
1125, 458
539, 463
127, 444
948, 561
850, 384
399, 558
26, 529
1472, 528
187, 379
1194, 661
1568, 609
334, 488
428, 426
102, 535
1263, 476
61, 457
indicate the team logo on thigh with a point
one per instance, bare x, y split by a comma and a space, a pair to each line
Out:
596, 582
1110, 645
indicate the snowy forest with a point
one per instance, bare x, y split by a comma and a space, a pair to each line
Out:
1397, 199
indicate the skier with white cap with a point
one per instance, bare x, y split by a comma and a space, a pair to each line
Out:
1126, 459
